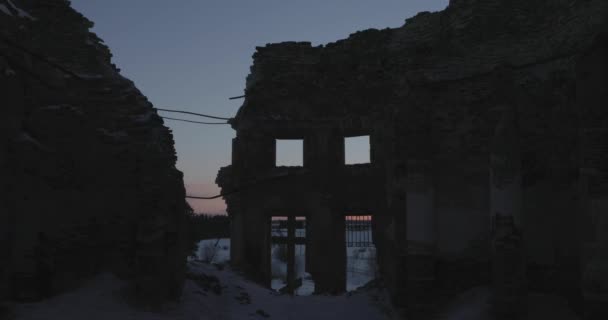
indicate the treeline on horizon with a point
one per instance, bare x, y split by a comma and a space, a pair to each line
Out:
208, 226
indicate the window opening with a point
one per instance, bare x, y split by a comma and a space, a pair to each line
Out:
357, 150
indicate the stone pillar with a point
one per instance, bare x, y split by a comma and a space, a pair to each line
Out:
237, 239
10, 128
421, 237
390, 234
508, 262
324, 150
253, 153
591, 95
594, 187
291, 253
256, 244
328, 250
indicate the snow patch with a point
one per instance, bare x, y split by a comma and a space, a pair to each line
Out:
372, 305
22, 13
216, 251
9, 72
116, 134
144, 117
59, 107
361, 266
4, 9
103, 297
25, 137
89, 76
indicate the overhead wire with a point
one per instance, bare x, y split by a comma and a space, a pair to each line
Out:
194, 113
73, 74
191, 121
246, 186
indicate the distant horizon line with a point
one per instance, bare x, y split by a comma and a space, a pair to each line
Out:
212, 213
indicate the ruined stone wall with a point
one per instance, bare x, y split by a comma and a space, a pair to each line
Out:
89, 182
479, 117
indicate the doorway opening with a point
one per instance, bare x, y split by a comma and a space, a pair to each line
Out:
288, 256
361, 265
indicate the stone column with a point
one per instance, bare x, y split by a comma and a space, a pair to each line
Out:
10, 126
508, 263
591, 95
291, 253
328, 250
237, 238
324, 154
421, 237
390, 233
256, 153
256, 240
594, 187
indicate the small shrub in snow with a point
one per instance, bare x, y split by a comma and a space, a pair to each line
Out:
207, 252
206, 282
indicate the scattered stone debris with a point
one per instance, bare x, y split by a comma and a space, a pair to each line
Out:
206, 282
243, 298
262, 313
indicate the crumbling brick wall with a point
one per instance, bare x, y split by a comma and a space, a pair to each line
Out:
474, 113
89, 182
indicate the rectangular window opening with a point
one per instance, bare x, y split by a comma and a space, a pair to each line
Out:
357, 150
289, 153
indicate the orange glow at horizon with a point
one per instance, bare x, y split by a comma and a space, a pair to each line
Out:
359, 218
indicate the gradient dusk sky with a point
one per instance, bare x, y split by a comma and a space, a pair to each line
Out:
195, 54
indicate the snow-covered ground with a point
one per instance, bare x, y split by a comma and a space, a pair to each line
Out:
474, 304
361, 264
215, 251
279, 271
102, 299
234, 297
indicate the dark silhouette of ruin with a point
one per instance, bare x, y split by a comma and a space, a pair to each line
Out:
488, 133
488, 140
87, 168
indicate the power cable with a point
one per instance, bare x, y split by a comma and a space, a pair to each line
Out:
73, 74
199, 122
193, 113
246, 186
